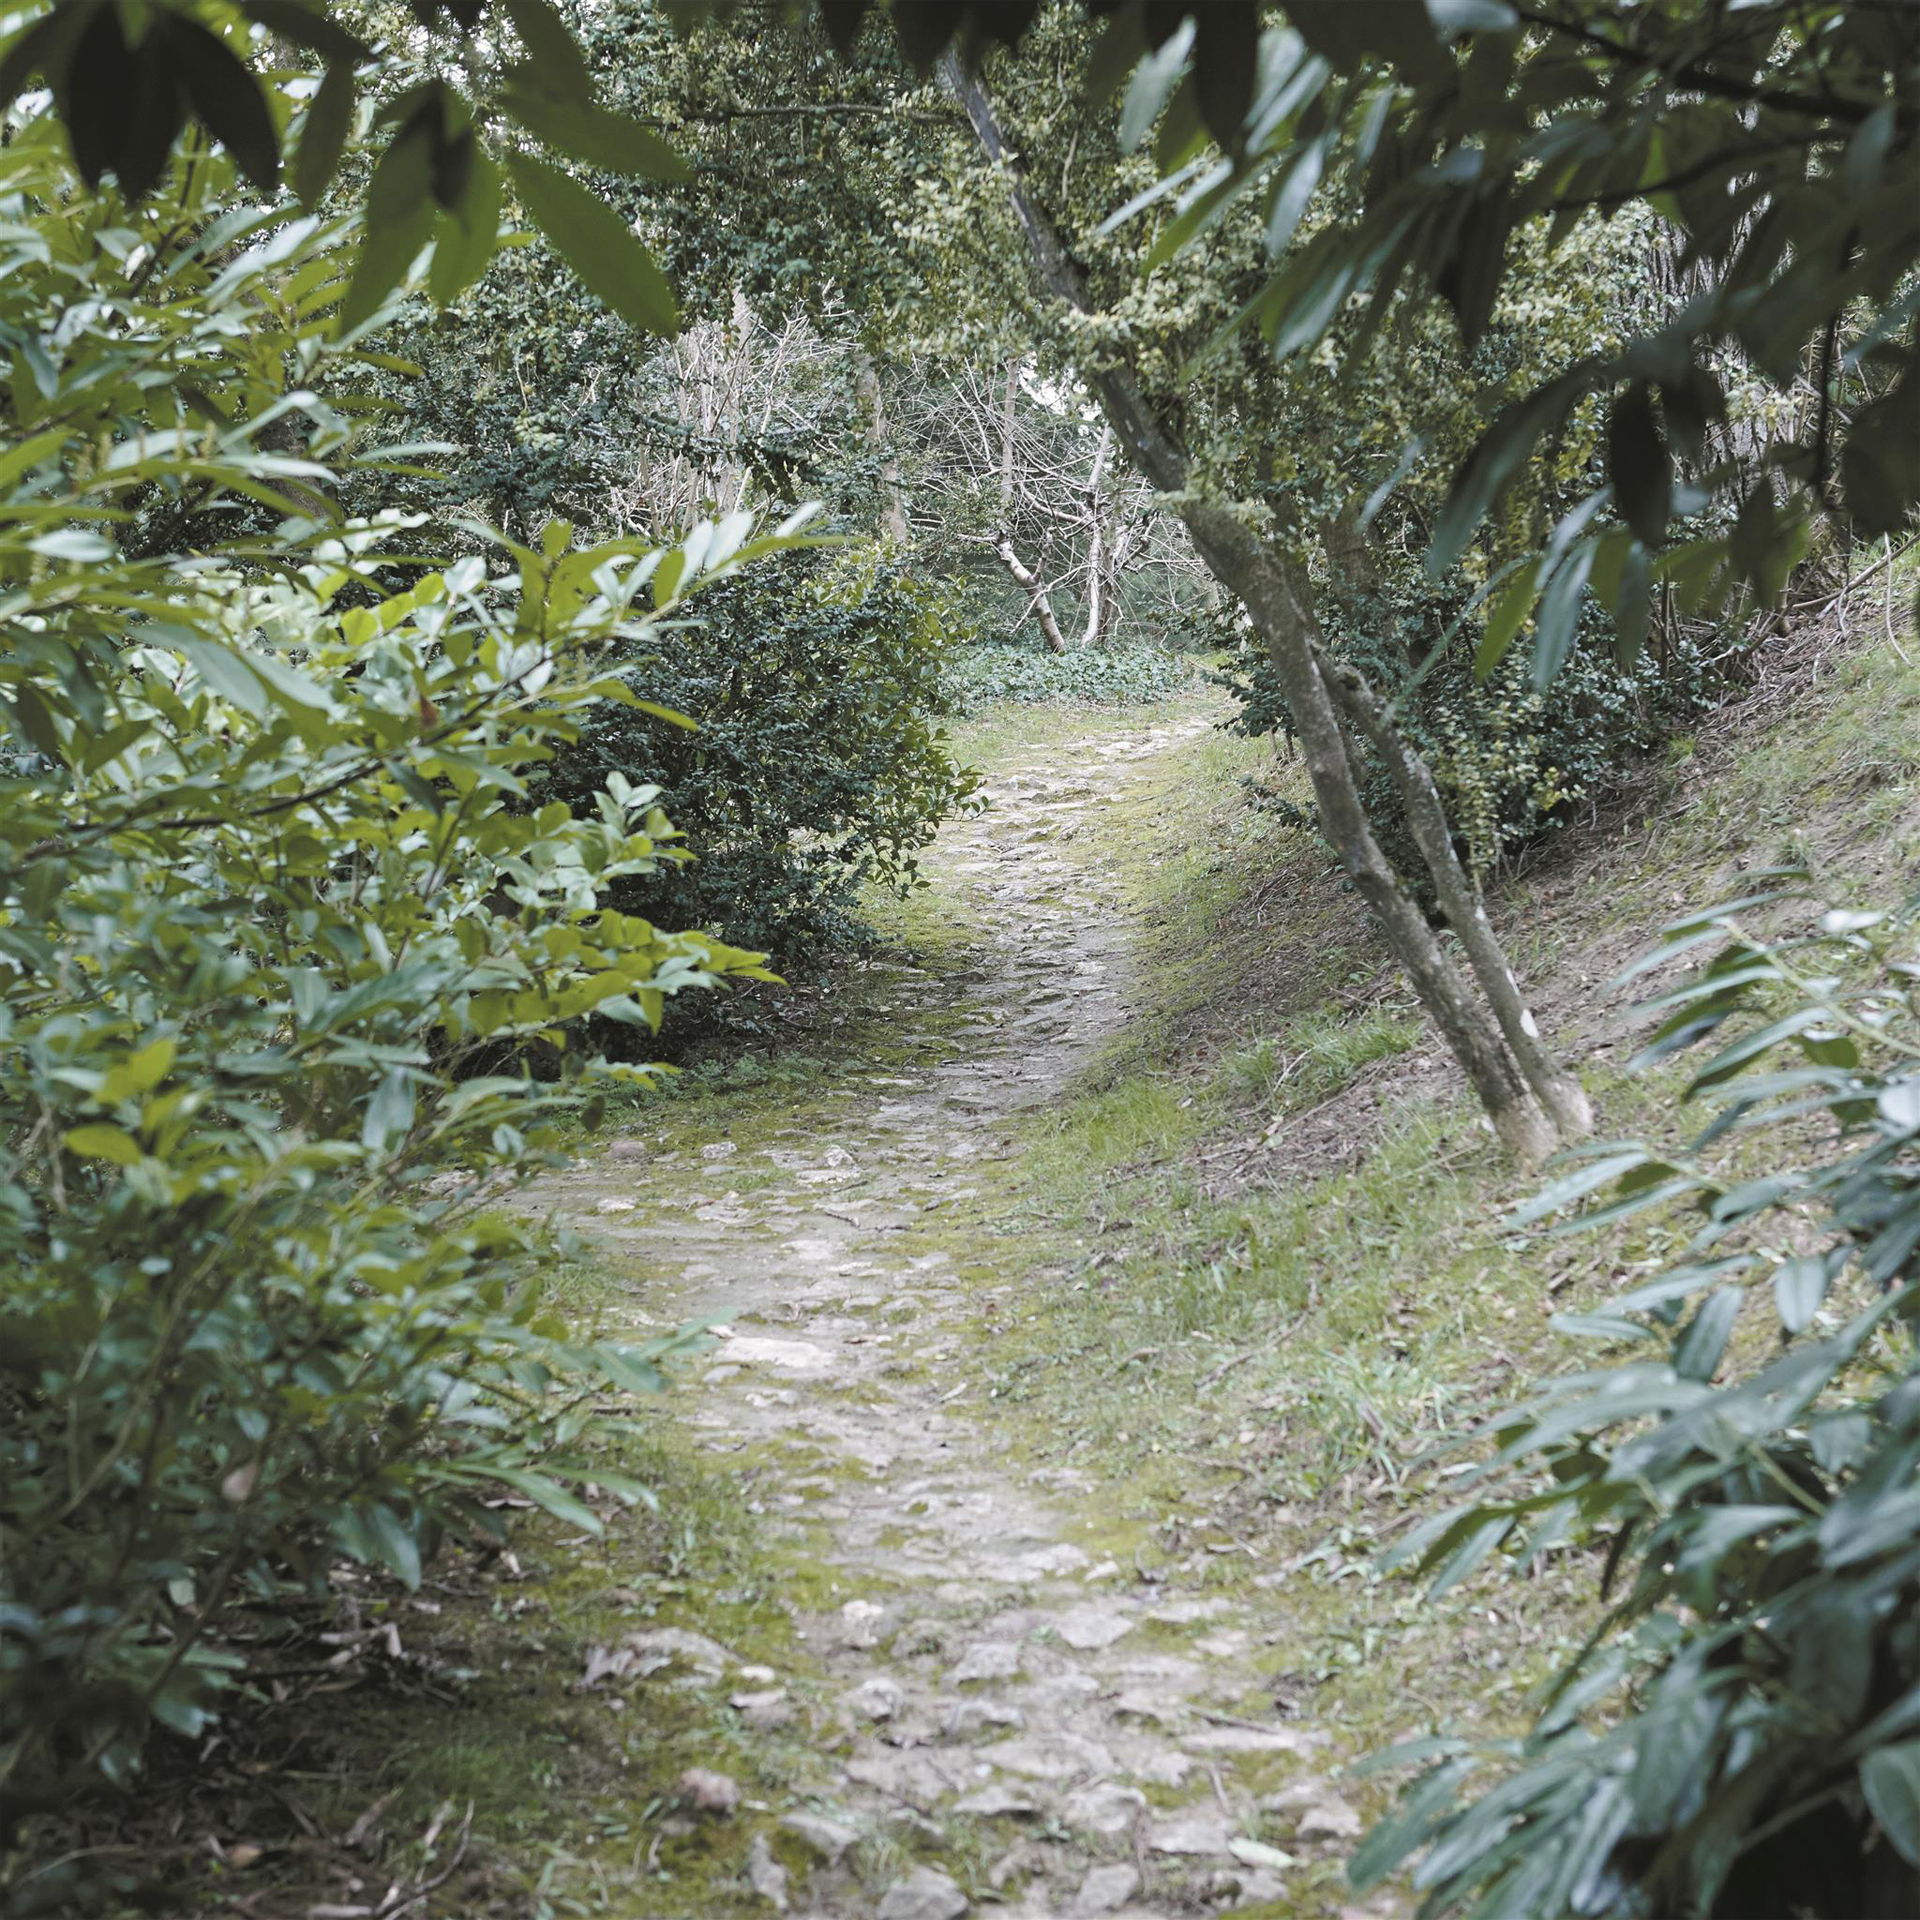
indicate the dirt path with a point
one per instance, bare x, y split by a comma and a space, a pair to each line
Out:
1017, 1713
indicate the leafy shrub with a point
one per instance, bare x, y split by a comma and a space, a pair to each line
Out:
1742, 1736
814, 770
279, 922
1017, 671
1510, 761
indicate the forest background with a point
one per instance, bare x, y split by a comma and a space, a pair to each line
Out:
350, 784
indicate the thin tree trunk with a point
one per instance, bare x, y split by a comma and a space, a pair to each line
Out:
1097, 544
1559, 1092
1278, 604
1038, 602
869, 393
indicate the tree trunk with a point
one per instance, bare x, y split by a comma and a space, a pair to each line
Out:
868, 393
1096, 620
1039, 604
1558, 1091
1276, 600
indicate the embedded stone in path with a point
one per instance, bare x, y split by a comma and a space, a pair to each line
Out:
997, 1801
925, 1894
759, 1350
1251, 1740
986, 1660
1050, 1756
1199, 1830
1091, 1627
980, 1716
876, 1699
765, 1874
828, 1838
1106, 1889
1107, 1809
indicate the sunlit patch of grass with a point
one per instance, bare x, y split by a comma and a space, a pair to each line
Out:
1318, 1054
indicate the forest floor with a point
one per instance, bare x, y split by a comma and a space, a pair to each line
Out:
1081, 1286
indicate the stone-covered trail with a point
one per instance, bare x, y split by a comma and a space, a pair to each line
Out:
1032, 1725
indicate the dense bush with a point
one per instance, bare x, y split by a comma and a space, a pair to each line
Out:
1741, 1737
278, 919
1016, 670
1510, 760
815, 769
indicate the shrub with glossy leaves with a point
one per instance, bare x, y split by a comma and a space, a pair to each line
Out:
279, 922
814, 768
1742, 1735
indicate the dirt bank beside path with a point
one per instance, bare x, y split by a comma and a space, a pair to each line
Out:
1014, 1713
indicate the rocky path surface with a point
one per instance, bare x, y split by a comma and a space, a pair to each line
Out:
1016, 1714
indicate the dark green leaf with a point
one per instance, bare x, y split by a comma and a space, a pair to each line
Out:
594, 241
1639, 465
323, 136
595, 135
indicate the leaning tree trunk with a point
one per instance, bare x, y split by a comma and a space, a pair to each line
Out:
1039, 601
1281, 610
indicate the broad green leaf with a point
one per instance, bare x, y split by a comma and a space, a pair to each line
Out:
103, 1143
1508, 616
399, 218
323, 136
466, 241
1890, 1778
596, 135
139, 1072
592, 239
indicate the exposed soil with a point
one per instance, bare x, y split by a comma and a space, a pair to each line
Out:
1005, 1671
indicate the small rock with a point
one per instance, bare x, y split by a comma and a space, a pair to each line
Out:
708, 1792
1108, 1809
977, 1716
997, 1801
760, 1676
1251, 1740
1329, 1819
764, 1710
828, 1838
1259, 1889
1180, 1613
627, 1147
986, 1660
1089, 1627
925, 1894
718, 1149
1256, 1853
765, 1874
1106, 1570
860, 1623
1062, 1557
875, 1699
614, 1206
1050, 1756
797, 1356
1200, 1830
1140, 1703
1106, 1888
1167, 1769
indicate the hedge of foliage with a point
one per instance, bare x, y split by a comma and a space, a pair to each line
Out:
813, 770
280, 917
1022, 672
